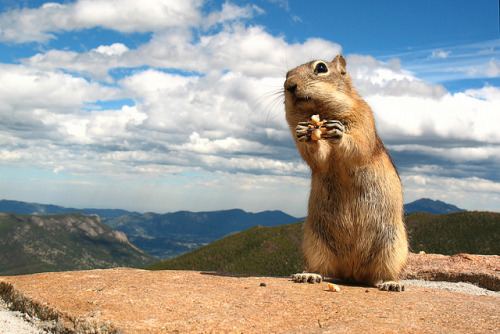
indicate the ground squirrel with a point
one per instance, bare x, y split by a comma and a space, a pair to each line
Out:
354, 229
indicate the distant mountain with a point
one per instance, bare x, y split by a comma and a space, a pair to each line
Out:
430, 206
24, 208
72, 241
171, 234
269, 251
275, 251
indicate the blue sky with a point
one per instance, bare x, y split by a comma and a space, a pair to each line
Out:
177, 105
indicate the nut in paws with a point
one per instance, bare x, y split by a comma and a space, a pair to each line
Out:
315, 130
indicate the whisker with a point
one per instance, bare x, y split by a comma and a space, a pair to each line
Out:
269, 103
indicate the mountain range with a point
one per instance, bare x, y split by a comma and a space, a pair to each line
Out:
430, 206
269, 243
275, 251
172, 234
25, 208
70, 241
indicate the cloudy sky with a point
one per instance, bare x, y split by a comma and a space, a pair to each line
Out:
166, 105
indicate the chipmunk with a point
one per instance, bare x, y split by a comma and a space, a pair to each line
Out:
354, 230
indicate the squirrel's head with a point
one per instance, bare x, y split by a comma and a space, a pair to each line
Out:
319, 87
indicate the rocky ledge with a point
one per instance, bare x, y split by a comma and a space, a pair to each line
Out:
482, 270
137, 301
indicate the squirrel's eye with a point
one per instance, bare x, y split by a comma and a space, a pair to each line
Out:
320, 68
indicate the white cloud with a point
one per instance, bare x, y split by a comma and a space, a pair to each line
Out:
453, 154
178, 120
28, 89
114, 126
476, 60
152, 84
235, 48
491, 69
410, 110
470, 193
223, 146
132, 16
214, 115
388, 79
209, 103
281, 3
460, 116
230, 12
440, 54
94, 64
6, 155
487, 93
115, 49
40, 24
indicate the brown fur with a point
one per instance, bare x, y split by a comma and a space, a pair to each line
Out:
354, 230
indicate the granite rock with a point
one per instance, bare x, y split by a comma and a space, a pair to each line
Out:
482, 270
137, 301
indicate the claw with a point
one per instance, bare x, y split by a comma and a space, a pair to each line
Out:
301, 131
334, 134
307, 277
303, 138
391, 286
330, 125
334, 130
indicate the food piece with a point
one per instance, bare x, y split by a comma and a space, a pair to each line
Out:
333, 287
316, 134
315, 119
316, 128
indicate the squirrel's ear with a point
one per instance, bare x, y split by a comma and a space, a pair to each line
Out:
340, 64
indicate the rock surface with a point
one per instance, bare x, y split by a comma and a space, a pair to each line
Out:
482, 270
139, 301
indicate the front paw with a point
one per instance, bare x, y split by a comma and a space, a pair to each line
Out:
307, 277
312, 131
303, 131
334, 130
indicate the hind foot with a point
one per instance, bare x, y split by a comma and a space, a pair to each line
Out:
391, 286
307, 277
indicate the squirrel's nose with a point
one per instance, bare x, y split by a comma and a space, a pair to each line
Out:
291, 87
